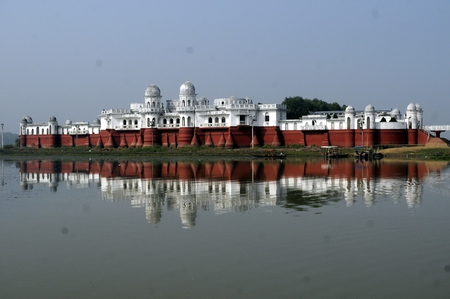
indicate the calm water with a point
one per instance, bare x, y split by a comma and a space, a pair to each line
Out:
224, 229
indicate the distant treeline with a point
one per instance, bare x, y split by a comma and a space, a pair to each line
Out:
298, 106
9, 138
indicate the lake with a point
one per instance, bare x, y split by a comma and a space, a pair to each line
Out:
205, 228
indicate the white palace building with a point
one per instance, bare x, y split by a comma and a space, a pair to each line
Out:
226, 122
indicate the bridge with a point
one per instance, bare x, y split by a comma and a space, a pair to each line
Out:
437, 129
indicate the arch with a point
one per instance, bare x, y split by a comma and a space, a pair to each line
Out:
266, 117
148, 105
183, 121
223, 119
136, 122
148, 122
164, 121
183, 103
130, 122
189, 103
171, 121
216, 120
189, 121
348, 123
177, 121
368, 122
153, 104
210, 120
124, 122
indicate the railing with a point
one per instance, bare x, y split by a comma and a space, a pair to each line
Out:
127, 127
212, 125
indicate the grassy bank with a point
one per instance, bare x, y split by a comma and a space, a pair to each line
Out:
159, 151
417, 152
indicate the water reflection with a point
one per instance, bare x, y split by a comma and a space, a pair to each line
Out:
226, 186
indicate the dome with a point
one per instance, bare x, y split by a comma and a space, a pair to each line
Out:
395, 112
27, 119
187, 89
96, 121
68, 122
153, 91
369, 108
418, 107
349, 109
411, 107
52, 118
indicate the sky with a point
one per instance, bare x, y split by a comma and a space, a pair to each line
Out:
71, 59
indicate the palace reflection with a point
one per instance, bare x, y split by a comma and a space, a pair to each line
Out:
225, 186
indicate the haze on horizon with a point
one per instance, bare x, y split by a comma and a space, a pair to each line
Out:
71, 59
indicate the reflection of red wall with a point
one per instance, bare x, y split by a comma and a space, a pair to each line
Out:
256, 170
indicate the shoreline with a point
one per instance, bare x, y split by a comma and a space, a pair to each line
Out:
416, 152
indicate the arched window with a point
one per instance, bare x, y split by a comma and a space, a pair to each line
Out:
189, 103
153, 104
32, 131
210, 120
148, 122
124, 122
135, 122
183, 103
348, 123
47, 130
42, 131
130, 122
148, 105
266, 116
368, 123
189, 121
164, 121
171, 121
183, 121
178, 121
223, 119
216, 120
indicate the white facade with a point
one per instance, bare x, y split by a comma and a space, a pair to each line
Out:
351, 119
188, 111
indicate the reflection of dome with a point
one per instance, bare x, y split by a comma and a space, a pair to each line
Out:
96, 121
411, 107
52, 118
187, 89
349, 109
152, 91
369, 108
68, 122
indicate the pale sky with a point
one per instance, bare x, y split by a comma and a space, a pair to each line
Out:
71, 59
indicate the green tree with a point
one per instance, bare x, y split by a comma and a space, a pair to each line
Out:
297, 106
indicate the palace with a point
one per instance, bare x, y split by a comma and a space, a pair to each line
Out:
226, 122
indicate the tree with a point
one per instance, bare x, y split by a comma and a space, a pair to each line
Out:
297, 106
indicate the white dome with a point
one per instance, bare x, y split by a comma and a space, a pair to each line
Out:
52, 118
411, 107
349, 109
153, 91
96, 121
187, 89
68, 122
418, 107
395, 112
369, 108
